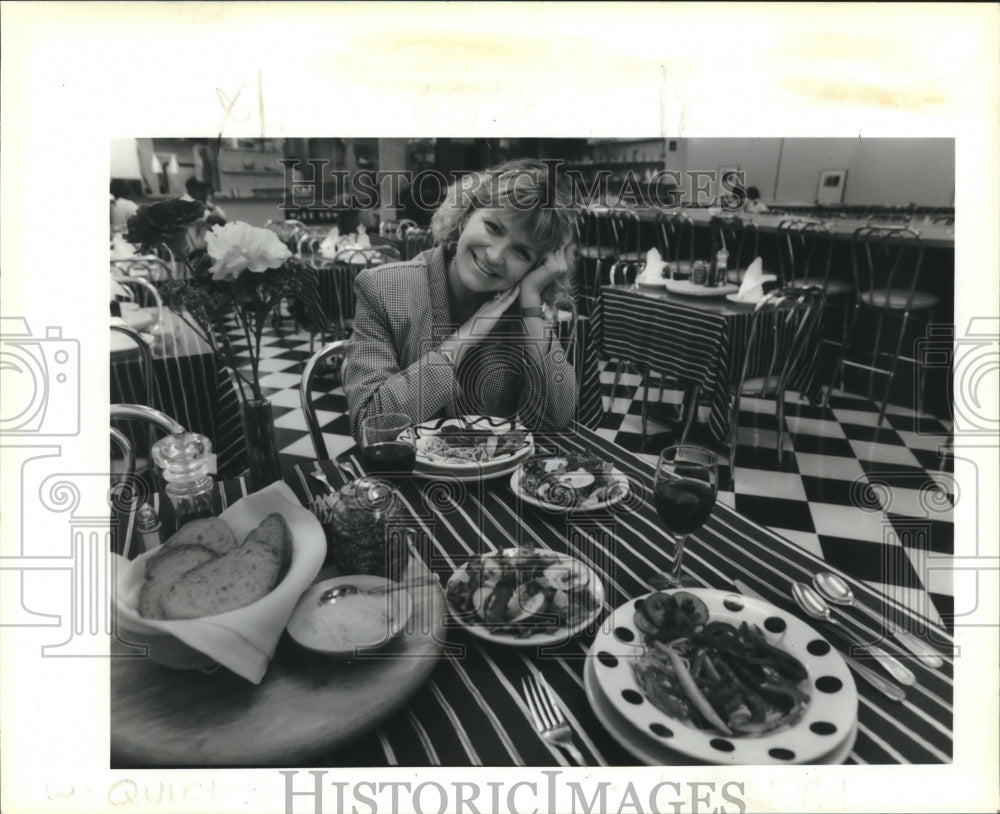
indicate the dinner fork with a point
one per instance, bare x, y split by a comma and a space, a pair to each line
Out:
548, 717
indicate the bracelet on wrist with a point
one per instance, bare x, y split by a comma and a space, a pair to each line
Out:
533, 311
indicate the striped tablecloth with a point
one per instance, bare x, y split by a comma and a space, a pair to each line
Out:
470, 712
189, 386
692, 339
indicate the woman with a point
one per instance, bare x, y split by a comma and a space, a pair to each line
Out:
459, 329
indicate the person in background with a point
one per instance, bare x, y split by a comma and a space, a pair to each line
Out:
214, 216
122, 205
753, 202
459, 329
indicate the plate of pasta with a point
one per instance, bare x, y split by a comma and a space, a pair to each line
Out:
722, 678
470, 448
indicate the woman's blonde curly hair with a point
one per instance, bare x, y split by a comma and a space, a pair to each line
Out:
541, 204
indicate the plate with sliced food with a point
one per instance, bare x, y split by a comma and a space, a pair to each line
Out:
569, 482
525, 597
721, 678
470, 448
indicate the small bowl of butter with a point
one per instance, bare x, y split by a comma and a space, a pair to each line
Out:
351, 623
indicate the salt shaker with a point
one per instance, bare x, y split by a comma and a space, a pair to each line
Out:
185, 459
721, 266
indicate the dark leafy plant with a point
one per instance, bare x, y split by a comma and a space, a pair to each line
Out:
242, 277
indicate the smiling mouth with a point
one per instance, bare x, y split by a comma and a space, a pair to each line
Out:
482, 268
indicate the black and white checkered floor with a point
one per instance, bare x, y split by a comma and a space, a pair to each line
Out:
874, 501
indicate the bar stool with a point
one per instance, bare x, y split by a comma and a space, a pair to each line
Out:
887, 259
805, 249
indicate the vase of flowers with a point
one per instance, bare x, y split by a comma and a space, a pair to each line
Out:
237, 281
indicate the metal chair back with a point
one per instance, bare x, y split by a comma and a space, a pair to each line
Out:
627, 234
416, 241
288, 231
783, 343
143, 267
805, 247
131, 445
319, 365
676, 238
887, 260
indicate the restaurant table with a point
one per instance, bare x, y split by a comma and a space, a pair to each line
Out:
470, 711
698, 340
189, 386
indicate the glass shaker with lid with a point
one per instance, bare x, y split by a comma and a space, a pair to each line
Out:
363, 537
187, 462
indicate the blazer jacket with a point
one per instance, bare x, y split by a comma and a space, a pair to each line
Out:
393, 363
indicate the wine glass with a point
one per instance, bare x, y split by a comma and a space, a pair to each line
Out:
684, 491
387, 448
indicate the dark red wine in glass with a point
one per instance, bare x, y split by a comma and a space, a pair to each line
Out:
684, 491
388, 448
389, 458
683, 505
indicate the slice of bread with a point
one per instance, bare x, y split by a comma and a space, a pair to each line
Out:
210, 532
230, 581
273, 532
163, 570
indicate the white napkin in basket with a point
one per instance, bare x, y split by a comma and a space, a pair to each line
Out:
243, 640
652, 274
752, 285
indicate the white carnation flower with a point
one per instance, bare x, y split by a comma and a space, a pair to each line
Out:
238, 246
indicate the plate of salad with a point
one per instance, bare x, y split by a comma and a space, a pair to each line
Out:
525, 597
569, 482
471, 447
722, 678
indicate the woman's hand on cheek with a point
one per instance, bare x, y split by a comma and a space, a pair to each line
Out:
478, 326
554, 266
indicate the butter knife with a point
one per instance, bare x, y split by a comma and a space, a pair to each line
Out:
892, 691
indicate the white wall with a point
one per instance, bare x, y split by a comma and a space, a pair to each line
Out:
125, 159
893, 172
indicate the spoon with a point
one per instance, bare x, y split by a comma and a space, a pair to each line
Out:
338, 591
892, 691
836, 590
813, 604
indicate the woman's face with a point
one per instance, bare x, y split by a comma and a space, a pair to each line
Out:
493, 253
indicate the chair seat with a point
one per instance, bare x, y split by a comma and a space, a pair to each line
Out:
834, 288
894, 300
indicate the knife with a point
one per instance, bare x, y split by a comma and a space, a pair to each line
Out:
892, 691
